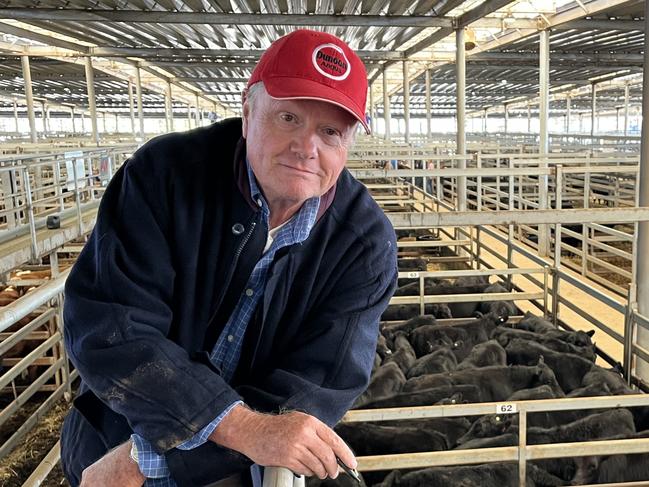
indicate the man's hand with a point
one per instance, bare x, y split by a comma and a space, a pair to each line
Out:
297, 441
115, 469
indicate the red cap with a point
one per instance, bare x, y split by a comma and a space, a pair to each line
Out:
308, 64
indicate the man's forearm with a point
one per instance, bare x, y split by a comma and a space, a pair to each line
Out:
234, 430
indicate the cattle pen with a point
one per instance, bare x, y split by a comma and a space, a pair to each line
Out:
508, 151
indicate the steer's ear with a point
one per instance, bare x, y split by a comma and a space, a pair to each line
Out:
541, 361
590, 333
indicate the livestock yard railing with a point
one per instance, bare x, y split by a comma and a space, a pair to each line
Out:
506, 275
33, 357
501, 181
522, 453
63, 185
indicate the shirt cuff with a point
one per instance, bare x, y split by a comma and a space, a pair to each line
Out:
151, 464
154, 466
203, 435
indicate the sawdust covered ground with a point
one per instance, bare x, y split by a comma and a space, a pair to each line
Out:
21, 462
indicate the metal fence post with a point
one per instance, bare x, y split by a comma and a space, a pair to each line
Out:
30, 214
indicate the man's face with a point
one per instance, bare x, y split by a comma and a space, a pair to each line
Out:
296, 148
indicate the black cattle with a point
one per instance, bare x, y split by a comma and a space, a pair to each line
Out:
453, 428
613, 468
467, 281
534, 393
382, 347
592, 390
403, 354
387, 381
412, 265
412, 288
377, 362
400, 312
389, 331
464, 336
611, 423
486, 426
488, 475
483, 355
499, 308
441, 360
496, 383
429, 338
427, 397
569, 368
505, 334
372, 439
505, 439
611, 377
343, 480
482, 327
536, 324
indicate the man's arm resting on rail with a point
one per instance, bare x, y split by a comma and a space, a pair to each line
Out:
305, 379
295, 440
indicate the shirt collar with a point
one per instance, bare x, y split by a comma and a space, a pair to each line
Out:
301, 223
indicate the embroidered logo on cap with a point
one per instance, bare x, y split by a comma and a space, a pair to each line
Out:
330, 61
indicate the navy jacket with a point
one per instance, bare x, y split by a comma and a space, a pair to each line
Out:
160, 275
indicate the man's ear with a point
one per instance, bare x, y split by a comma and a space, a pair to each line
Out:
245, 111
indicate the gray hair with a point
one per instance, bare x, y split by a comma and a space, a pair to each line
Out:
253, 93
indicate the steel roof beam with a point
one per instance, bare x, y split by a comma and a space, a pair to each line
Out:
212, 18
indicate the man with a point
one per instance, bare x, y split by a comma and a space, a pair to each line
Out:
225, 310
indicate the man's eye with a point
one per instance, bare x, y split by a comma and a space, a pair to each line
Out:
287, 117
332, 132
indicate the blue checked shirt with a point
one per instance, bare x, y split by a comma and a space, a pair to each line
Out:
227, 349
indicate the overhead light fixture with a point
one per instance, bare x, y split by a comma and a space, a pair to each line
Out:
469, 39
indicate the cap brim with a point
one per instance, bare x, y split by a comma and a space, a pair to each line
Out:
285, 88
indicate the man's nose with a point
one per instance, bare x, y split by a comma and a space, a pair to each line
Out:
304, 144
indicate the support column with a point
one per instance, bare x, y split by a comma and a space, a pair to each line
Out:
568, 107
640, 254
138, 94
130, 105
484, 121
16, 115
626, 109
460, 141
27, 78
44, 119
617, 119
406, 101
90, 83
189, 116
506, 117
386, 105
544, 109
371, 108
428, 108
48, 121
169, 108
74, 124
529, 119
198, 112
593, 110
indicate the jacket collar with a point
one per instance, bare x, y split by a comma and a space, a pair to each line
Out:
243, 183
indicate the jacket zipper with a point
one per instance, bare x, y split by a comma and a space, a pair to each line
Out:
237, 254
